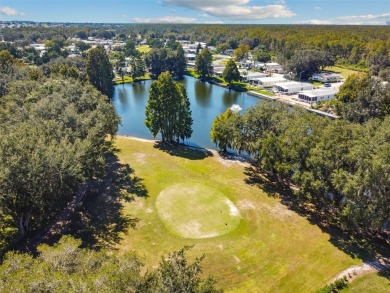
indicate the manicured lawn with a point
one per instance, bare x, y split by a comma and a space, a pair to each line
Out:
144, 48
194, 210
260, 91
269, 248
372, 283
344, 72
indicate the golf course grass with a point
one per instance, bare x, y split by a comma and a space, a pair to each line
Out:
264, 246
192, 210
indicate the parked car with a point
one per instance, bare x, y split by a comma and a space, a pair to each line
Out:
327, 84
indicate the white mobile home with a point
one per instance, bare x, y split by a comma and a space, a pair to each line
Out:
292, 87
273, 67
326, 77
270, 81
317, 95
250, 76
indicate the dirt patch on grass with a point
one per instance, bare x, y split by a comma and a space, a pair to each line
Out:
140, 158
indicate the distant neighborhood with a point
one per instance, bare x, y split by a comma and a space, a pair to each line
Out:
266, 79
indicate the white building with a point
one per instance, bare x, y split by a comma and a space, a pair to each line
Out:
292, 87
270, 81
191, 57
250, 76
273, 67
218, 71
317, 95
326, 77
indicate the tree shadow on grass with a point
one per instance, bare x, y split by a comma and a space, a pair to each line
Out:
365, 247
183, 151
100, 221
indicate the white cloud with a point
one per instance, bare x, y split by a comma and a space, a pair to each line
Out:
317, 8
235, 9
330, 22
165, 19
9, 11
315, 21
365, 17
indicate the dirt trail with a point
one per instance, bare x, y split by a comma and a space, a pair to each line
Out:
353, 272
58, 224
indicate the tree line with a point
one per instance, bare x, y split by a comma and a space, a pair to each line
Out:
341, 167
52, 138
65, 267
362, 47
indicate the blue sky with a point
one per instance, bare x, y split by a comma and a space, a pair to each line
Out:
375, 12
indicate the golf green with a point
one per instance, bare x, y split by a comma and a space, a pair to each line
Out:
196, 211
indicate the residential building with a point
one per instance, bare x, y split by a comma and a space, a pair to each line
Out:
292, 87
317, 95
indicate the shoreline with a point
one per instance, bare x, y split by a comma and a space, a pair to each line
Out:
228, 156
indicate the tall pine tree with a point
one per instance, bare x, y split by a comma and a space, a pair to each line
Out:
99, 70
168, 110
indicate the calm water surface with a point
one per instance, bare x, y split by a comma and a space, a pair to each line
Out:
207, 101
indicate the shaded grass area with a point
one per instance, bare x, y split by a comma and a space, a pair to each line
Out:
100, 221
371, 283
353, 244
276, 247
128, 79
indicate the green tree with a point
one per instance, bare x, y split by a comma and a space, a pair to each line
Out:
231, 73
198, 48
82, 46
65, 267
130, 49
99, 70
138, 67
168, 110
262, 56
225, 129
242, 52
56, 142
203, 64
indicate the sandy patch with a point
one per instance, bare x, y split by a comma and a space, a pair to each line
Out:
236, 258
137, 138
194, 230
279, 211
149, 211
220, 246
233, 209
246, 204
140, 158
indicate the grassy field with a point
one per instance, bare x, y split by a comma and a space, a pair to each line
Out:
344, 72
372, 283
144, 49
271, 248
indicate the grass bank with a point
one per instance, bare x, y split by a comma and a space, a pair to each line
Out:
128, 79
272, 249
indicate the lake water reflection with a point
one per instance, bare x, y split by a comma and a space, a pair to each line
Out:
207, 101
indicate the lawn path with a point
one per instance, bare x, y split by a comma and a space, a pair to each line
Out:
356, 271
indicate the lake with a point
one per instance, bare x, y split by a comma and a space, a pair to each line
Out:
207, 101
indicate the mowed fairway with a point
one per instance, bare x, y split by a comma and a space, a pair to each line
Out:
267, 248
